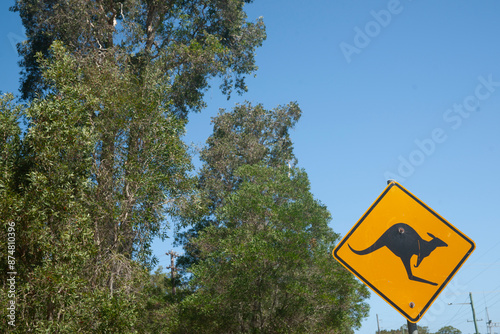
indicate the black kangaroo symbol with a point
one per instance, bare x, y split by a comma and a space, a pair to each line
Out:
404, 242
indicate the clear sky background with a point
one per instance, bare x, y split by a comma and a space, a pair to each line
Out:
403, 89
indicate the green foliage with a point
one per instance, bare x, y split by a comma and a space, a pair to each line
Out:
10, 134
10, 150
10, 202
75, 247
140, 163
188, 42
259, 249
448, 330
404, 330
245, 136
267, 266
102, 163
62, 281
102, 167
160, 313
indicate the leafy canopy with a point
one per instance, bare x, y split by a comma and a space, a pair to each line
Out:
259, 249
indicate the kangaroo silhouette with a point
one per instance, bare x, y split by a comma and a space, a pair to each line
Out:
404, 242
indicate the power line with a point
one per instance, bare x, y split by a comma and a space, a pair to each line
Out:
460, 308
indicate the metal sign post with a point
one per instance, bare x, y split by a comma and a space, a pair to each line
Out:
412, 327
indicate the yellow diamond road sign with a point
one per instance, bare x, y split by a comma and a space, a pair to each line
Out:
404, 251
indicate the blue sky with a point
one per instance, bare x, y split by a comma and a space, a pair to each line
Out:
407, 89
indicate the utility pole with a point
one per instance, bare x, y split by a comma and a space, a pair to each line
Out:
488, 323
173, 268
473, 312
378, 326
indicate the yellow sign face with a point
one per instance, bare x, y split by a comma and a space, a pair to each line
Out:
404, 251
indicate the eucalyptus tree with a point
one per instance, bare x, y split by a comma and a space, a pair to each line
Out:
187, 41
247, 135
259, 252
108, 86
145, 66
